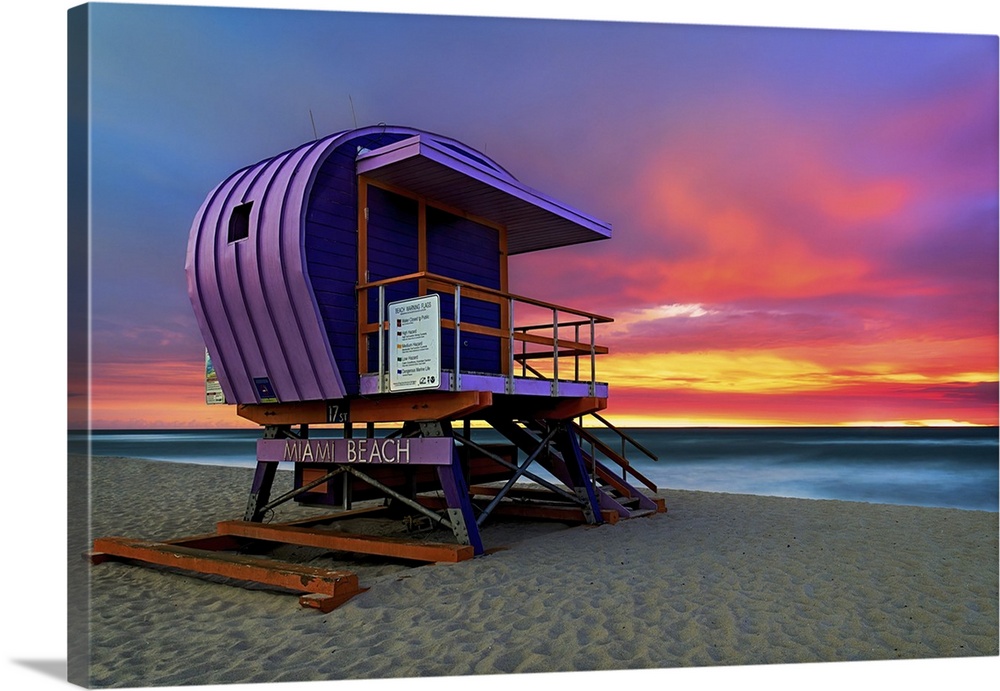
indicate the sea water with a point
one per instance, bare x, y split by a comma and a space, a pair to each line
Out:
920, 466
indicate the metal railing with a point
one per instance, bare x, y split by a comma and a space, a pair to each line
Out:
619, 458
535, 344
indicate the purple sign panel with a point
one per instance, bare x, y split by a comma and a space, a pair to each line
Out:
394, 451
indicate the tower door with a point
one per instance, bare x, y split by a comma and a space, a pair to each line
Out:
403, 234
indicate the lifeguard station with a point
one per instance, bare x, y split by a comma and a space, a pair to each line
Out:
358, 285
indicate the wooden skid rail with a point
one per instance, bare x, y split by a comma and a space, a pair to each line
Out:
400, 548
328, 588
324, 589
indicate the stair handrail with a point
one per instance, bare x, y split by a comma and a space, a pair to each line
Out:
626, 437
612, 455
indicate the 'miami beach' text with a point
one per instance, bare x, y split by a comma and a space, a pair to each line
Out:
405, 450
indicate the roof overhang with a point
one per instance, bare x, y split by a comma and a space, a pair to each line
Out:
434, 170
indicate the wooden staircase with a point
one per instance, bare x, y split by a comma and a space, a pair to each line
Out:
614, 491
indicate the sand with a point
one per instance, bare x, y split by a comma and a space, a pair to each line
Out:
721, 579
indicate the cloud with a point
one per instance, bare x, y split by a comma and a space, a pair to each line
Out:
874, 404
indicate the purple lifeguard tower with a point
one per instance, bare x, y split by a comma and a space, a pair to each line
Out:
357, 286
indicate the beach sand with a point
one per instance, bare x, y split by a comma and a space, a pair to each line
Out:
720, 579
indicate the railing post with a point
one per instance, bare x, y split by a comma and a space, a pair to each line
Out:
576, 353
381, 339
524, 358
555, 352
456, 377
510, 346
593, 360
624, 468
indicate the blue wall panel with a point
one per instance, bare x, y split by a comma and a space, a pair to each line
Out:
331, 248
467, 251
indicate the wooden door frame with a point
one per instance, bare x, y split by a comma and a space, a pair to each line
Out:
423, 203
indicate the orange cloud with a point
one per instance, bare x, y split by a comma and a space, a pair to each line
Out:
155, 395
872, 404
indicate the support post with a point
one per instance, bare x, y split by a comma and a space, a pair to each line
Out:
510, 346
593, 365
569, 448
456, 378
263, 478
260, 491
456, 493
345, 488
381, 339
555, 352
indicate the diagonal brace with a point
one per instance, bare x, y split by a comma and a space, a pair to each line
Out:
504, 462
396, 495
514, 478
303, 489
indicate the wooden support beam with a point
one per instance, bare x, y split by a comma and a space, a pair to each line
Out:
299, 413
528, 492
569, 408
545, 408
433, 405
326, 603
574, 346
399, 548
362, 512
296, 577
563, 514
212, 541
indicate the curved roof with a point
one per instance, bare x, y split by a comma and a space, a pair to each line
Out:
252, 297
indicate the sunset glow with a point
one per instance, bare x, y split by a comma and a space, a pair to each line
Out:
805, 224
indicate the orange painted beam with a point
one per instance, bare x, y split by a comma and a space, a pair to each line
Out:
565, 514
211, 541
429, 405
399, 548
326, 603
574, 346
433, 405
300, 413
361, 512
569, 408
298, 577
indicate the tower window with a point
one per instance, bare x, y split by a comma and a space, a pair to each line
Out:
239, 222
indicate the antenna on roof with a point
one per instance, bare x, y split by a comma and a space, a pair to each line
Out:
313, 121
352, 111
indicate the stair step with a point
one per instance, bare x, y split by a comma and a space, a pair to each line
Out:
628, 502
641, 512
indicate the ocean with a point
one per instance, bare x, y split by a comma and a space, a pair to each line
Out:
919, 466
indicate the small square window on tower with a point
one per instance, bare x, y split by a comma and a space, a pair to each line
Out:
239, 222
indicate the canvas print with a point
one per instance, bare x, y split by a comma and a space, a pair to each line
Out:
412, 347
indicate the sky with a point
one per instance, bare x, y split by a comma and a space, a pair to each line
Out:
805, 221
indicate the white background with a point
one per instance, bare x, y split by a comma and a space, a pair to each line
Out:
34, 84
